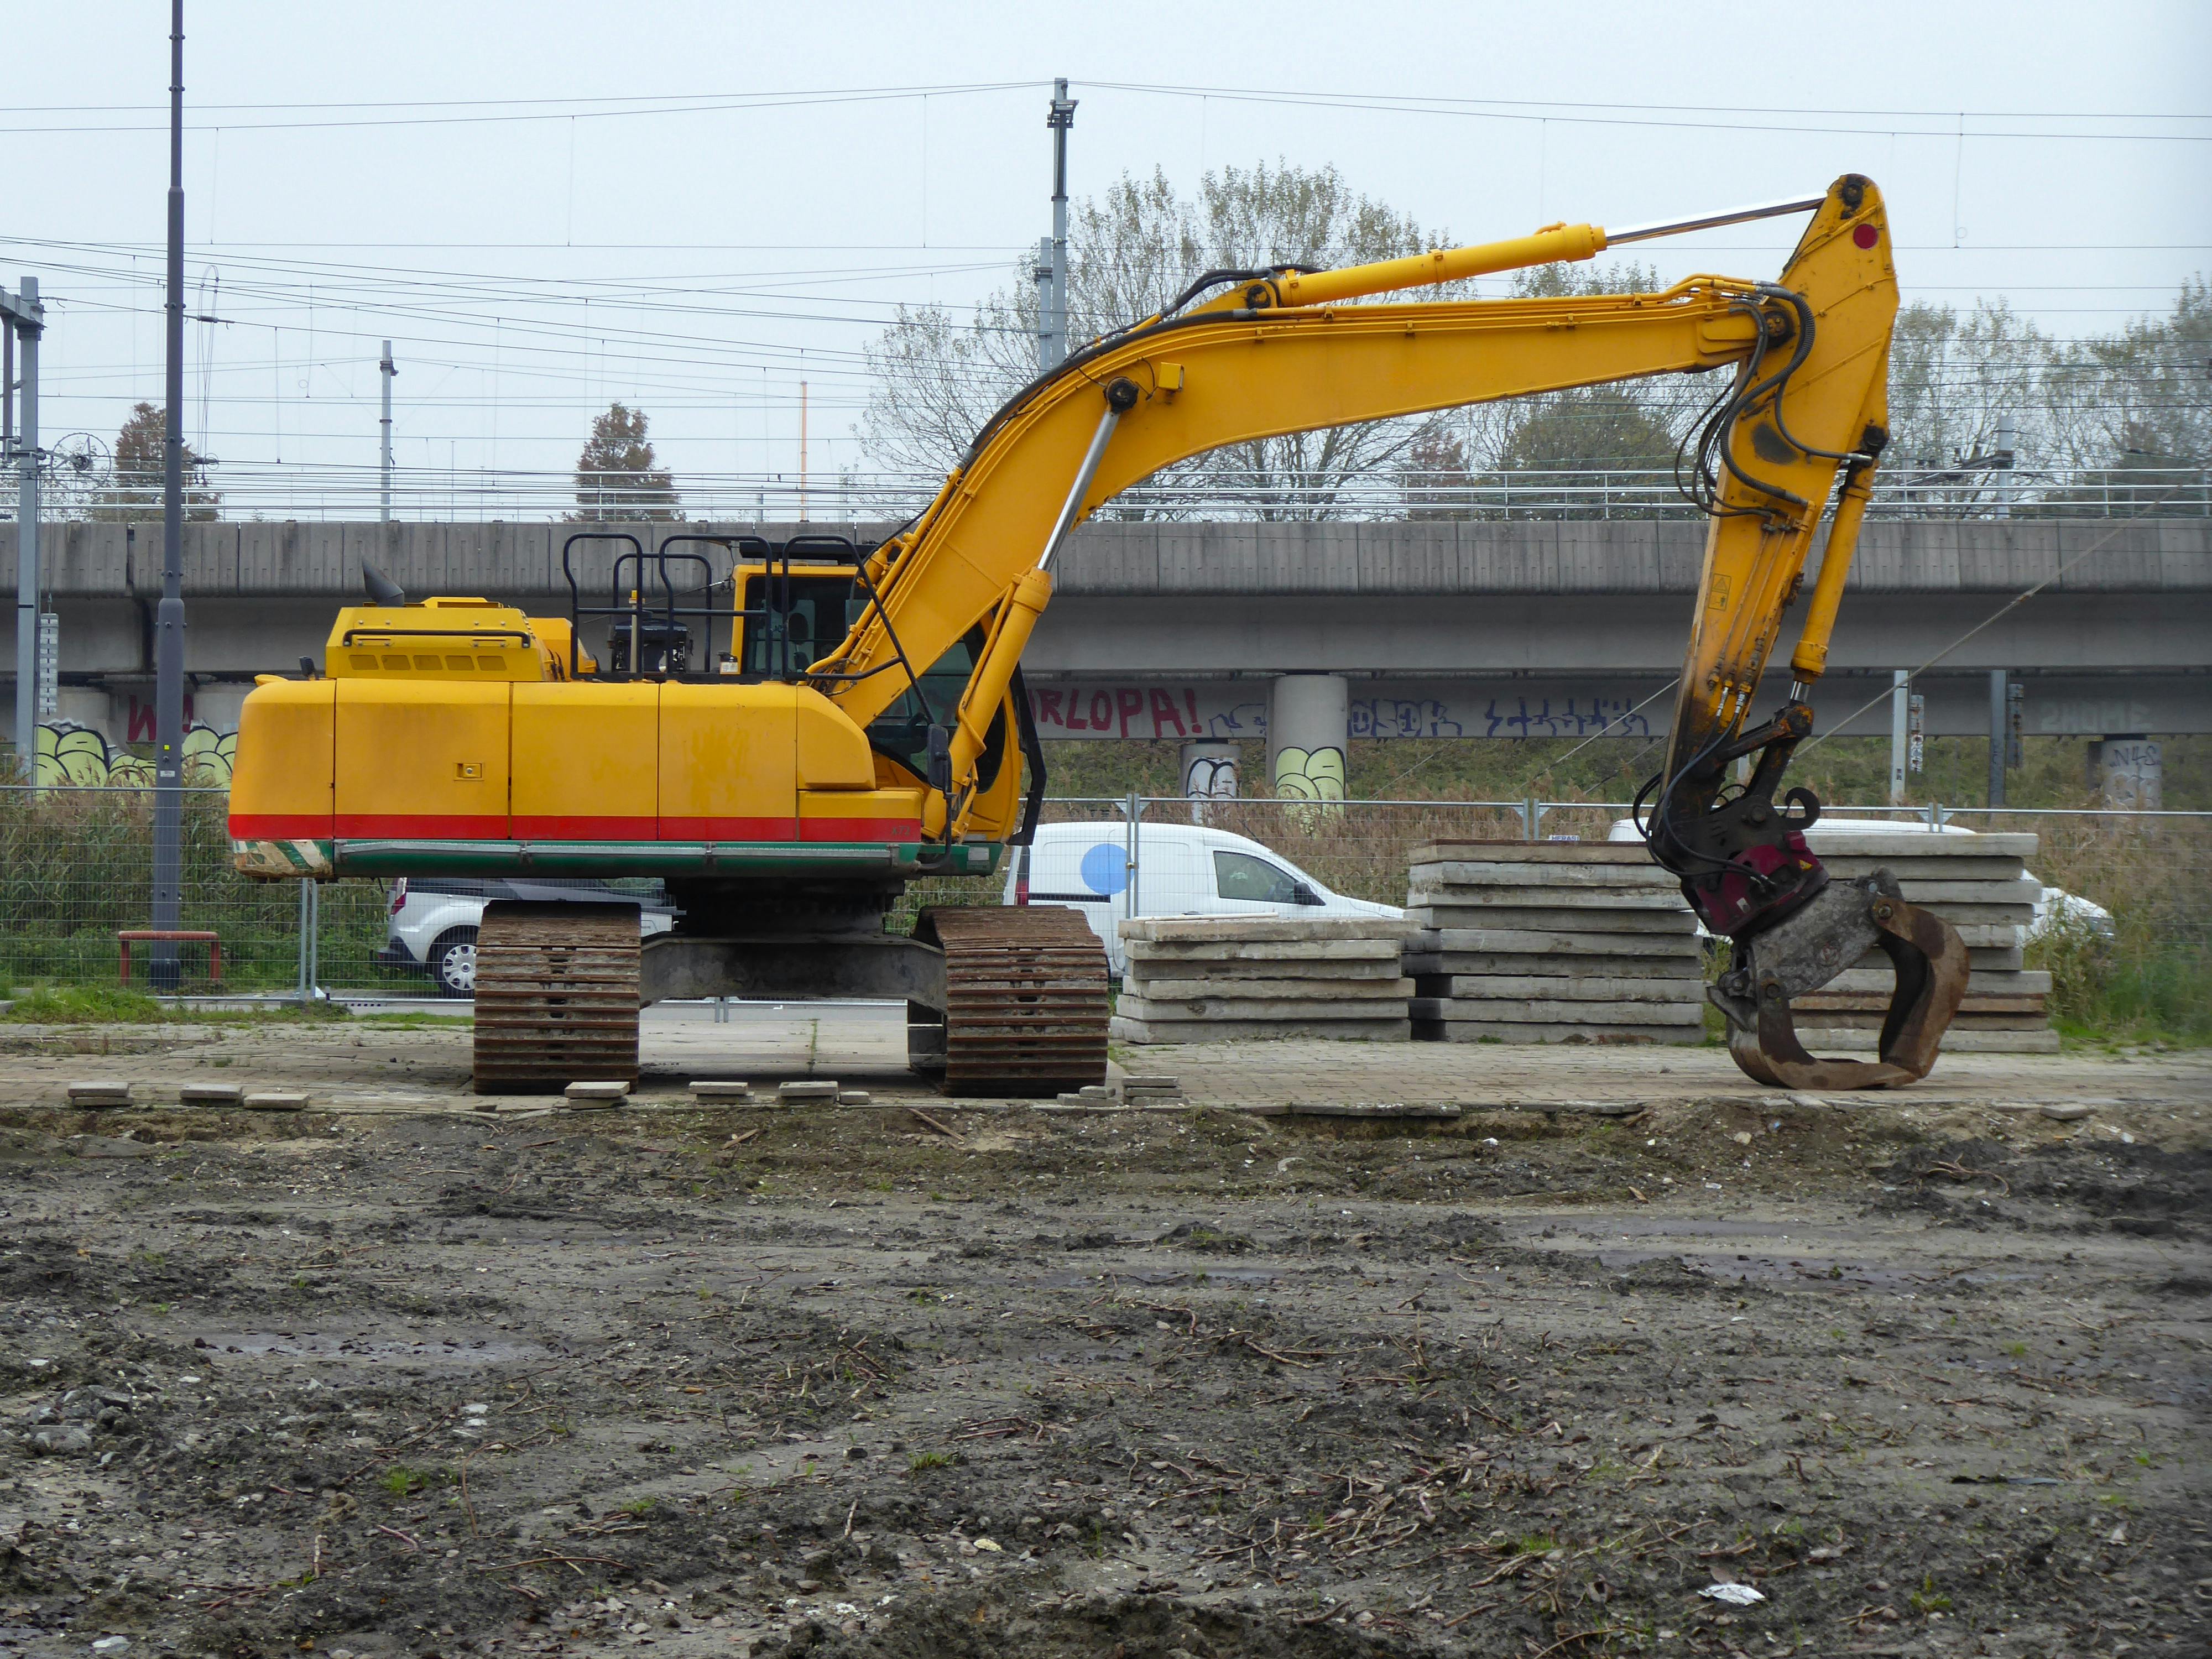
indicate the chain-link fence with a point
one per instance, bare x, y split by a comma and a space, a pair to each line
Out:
75, 873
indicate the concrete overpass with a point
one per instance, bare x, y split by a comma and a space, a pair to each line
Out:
1187, 630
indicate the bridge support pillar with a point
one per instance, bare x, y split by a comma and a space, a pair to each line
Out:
1308, 736
2129, 772
1210, 771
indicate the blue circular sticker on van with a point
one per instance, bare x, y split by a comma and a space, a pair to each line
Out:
1105, 869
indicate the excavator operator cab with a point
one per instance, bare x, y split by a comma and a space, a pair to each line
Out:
712, 607
793, 602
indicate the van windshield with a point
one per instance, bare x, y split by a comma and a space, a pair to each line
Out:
1241, 876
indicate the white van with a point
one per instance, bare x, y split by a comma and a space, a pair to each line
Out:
1182, 869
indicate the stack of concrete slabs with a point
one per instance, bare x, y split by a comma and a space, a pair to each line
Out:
1979, 884
1206, 979
1550, 942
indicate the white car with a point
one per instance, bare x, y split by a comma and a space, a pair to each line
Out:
431, 925
1182, 869
2054, 906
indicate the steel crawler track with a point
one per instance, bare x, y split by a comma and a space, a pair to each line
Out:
1025, 1007
557, 996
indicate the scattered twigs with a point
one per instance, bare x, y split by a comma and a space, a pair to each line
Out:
407, 1539
1956, 1171
571, 1562
944, 1129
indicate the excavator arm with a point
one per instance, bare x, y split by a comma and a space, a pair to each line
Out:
1804, 362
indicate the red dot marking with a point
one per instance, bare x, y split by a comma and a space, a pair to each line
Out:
1865, 236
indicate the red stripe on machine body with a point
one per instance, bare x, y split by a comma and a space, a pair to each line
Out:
280, 826
422, 826
714, 829
571, 827
881, 829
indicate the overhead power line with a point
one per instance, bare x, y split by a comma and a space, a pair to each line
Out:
470, 112
1954, 124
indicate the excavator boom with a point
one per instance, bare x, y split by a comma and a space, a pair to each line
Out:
1807, 360
850, 769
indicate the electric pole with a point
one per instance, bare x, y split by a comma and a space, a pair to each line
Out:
384, 507
1052, 292
26, 320
169, 619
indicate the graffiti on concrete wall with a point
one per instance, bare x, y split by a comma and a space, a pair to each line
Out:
1407, 717
1228, 710
73, 756
1210, 775
1570, 717
1309, 775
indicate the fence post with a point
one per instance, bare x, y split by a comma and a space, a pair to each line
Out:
1528, 819
306, 933
1131, 808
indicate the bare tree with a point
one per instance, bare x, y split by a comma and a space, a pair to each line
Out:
1131, 250
2131, 408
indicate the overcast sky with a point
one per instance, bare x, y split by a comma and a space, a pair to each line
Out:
678, 226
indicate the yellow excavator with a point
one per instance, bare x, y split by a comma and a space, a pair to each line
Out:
785, 734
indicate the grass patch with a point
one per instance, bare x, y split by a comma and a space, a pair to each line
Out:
415, 1017
84, 1004
113, 1004
2131, 988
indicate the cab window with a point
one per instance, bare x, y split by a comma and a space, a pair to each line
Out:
1241, 876
822, 609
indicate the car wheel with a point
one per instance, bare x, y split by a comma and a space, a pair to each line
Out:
454, 962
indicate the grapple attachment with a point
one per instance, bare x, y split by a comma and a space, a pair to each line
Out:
1749, 874
1810, 947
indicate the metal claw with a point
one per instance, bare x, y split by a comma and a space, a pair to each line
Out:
1812, 945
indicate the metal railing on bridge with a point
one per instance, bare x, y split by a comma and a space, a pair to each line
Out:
245, 491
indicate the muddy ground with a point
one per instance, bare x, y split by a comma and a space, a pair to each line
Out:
1179, 1384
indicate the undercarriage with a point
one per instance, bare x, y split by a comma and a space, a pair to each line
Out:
1001, 1000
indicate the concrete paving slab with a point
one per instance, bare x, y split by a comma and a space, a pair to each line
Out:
1238, 930
1332, 971
1585, 901
1242, 1009
1349, 990
1418, 962
1127, 1030
1880, 844
1334, 949
1534, 1012
1991, 982
1557, 852
1630, 875
1529, 941
1504, 1031
1503, 911
1594, 988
